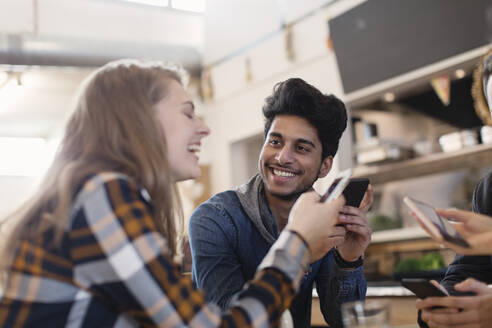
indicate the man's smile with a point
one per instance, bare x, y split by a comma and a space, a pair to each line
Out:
282, 173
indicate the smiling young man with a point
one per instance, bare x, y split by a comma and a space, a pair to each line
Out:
232, 232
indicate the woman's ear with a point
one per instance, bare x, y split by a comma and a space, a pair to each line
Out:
325, 167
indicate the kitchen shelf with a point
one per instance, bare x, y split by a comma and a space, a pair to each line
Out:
409, 233
470, 157
404, 240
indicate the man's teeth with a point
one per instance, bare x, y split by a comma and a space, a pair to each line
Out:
283, 173
193, 148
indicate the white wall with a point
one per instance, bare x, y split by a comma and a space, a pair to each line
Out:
231, 25
235, 113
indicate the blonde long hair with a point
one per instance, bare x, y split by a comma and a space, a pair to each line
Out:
113, 128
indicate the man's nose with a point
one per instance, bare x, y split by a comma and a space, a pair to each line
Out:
284, 156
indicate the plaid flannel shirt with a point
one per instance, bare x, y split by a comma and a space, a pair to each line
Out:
112, 270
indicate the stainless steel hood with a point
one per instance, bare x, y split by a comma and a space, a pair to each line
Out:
31, 50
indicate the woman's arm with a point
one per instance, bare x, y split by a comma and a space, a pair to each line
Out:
120, 255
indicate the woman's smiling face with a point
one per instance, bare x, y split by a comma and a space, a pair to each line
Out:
183, 131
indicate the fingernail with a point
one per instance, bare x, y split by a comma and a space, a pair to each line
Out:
343, 218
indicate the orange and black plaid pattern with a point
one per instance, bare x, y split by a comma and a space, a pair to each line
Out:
112, 270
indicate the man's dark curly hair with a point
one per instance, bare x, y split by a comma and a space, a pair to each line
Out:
326, 113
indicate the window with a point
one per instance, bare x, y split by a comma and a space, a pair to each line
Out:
26, 156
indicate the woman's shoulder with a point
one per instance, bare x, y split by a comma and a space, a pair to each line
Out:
96, 180
105, 184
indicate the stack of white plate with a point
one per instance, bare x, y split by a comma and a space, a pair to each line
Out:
458, 140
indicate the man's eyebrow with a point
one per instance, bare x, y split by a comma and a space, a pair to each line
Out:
275, 134
300, 140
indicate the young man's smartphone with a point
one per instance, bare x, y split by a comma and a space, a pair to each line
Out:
424, 288
337, 187
435, 224
354, 191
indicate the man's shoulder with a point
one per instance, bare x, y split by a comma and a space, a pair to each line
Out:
226, 202
222, 200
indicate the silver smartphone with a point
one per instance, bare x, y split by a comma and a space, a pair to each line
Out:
435, 224
337, 186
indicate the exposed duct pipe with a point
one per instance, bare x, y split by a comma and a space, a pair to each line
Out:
29, 50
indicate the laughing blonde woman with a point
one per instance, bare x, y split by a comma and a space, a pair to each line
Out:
94, 247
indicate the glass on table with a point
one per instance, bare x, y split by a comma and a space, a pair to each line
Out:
366, 314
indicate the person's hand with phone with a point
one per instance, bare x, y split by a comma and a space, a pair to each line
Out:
459, 311
316, 222
440, 229
475, 228
359, 232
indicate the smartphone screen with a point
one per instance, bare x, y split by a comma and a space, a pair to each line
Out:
355, 190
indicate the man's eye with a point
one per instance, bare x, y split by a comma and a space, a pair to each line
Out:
302, 148
274, 142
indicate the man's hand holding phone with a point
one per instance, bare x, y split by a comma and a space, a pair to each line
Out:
459, 311
352, 219
359, 232
358, 193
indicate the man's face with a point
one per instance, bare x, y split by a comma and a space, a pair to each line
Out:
290, 160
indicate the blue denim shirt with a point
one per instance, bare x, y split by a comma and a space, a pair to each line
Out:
227, 247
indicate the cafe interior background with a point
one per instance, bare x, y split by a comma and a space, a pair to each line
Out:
404, 69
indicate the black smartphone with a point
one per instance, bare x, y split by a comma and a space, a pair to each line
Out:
423, 288
354, 191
